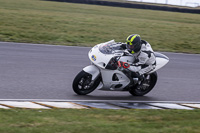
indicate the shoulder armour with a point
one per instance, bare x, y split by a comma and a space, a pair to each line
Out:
144, 42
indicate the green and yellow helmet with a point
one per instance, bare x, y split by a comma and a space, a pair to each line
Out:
133, 43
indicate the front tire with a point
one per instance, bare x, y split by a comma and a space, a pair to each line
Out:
145, 87
82, 84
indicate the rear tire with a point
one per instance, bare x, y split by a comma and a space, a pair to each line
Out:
145, 87
82, 83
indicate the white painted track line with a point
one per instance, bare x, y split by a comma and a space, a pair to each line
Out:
4, 107
192, 105
61, 105
170, 106
93, 105
29, 105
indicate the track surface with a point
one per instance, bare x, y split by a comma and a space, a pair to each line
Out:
32, 71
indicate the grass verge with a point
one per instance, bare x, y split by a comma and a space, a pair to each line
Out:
98, 121
36, 21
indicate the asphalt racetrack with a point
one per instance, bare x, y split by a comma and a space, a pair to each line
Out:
33, 71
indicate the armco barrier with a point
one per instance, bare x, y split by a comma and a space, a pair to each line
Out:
132, 5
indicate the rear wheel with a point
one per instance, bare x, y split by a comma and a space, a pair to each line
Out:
83, 84
145, 86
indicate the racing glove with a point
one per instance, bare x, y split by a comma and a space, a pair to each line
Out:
123, 65
123, 46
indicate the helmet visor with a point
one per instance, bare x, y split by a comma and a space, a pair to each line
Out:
129, 46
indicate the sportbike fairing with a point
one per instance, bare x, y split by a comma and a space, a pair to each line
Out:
102, 54
105, 53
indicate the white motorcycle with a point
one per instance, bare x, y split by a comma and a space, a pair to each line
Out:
108, 71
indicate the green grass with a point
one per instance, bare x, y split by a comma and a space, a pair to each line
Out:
99, 121
36, 21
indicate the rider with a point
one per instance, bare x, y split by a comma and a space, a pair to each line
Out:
143, 54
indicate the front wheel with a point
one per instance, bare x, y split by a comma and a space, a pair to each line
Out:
83, 84
145, 86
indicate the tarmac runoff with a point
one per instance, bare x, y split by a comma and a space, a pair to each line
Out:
97, 105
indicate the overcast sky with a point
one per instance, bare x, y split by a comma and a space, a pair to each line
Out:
192, 3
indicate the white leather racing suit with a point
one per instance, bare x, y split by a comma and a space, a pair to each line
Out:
145, 60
